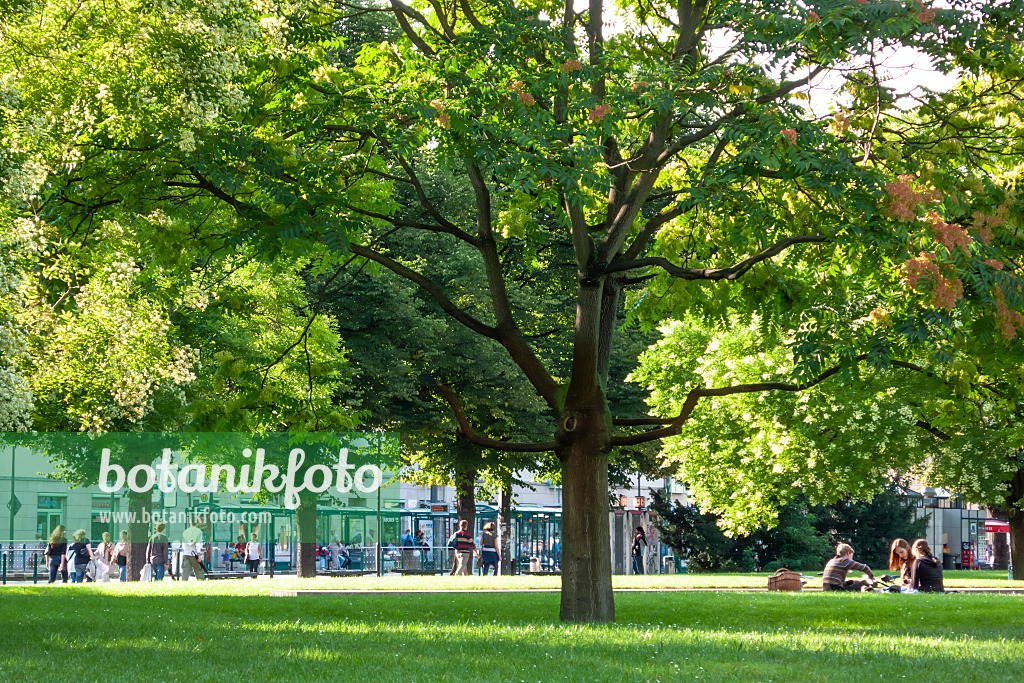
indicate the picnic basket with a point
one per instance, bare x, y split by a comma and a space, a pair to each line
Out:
784, 580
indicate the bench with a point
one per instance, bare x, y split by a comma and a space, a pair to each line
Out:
420, 572
543, 573
347, 572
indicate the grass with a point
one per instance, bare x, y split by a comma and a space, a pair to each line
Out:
232, 630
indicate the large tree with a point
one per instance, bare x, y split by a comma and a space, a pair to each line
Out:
691, 172
665, 161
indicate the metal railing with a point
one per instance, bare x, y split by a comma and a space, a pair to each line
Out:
19, 560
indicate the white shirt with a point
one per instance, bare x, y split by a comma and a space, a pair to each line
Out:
191, 541
252, 551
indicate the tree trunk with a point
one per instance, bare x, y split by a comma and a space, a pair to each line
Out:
586, 551
505, 528
140, 508
465, 496
305, 518
1015, 516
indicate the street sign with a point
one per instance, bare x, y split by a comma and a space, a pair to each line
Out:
14, 505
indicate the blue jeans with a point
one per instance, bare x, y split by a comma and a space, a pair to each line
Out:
638, 565
489, 558
158, 571
78, 576
55, 567
122, 572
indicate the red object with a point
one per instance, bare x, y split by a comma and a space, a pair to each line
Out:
967, 558
996, 526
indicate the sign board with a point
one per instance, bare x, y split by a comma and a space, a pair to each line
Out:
14, 505
439, 507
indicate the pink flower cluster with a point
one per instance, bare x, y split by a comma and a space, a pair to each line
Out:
789, 133
812, 17
599, 112
993, 263
1009, 321
519, 88
946, 291
984, 223
926, 14
570, 66
948, 234
905, 198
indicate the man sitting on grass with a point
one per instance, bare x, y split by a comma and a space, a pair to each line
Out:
836, 569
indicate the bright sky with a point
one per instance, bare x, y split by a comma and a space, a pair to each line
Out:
905, 70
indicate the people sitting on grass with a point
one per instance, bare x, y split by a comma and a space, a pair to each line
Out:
925, 571
900, 561
835, 571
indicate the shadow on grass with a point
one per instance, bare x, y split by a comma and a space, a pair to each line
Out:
511, 637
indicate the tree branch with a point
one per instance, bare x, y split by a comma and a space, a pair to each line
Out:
485, 442
430, 287
737, 111
729, 273
674, 426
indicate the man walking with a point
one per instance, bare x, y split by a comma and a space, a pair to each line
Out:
464, 549
191, 546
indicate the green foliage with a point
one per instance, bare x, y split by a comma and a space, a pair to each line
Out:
803, 538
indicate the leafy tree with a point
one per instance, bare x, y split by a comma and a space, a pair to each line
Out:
689, 173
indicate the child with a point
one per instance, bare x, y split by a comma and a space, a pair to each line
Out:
836, 569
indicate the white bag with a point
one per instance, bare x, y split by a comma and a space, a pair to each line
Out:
147, 573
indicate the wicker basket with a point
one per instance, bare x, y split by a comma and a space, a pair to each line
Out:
784, 580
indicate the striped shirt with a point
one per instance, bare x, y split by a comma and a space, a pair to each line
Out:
464, 542
836, 569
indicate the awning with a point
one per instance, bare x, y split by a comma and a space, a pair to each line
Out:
996, 526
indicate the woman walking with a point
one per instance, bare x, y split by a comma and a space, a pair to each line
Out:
489, 555
55, 551
121, 557
104, 555
253, 554
639, 543
79, 555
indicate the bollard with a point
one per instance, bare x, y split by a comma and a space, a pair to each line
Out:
3, 561
35, 568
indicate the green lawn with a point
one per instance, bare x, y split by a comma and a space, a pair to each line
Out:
232, 630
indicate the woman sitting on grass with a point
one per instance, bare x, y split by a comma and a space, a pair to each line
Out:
900, 561
925, 571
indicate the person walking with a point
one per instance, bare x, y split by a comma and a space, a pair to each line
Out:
253, 554
79, 555
489, 554
104, 557
637, 551
464, 549
191, 546
55, 552
157, 552
121, 557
